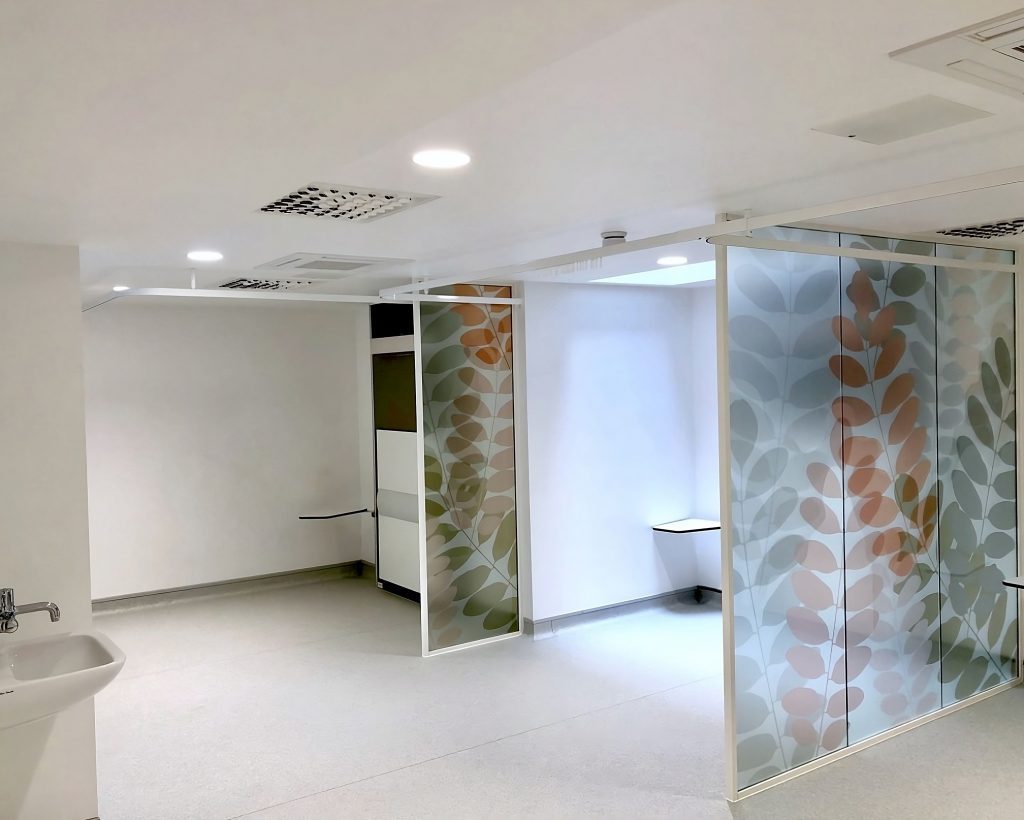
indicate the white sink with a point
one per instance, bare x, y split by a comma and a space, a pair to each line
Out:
44, 676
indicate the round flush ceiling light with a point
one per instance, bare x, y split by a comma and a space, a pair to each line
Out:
205, 256
120, 288
443, 158
672, 260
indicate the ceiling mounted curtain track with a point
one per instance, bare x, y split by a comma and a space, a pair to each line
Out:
279, 296
857, 253
903, 196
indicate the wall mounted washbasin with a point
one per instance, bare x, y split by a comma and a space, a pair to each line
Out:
44, 676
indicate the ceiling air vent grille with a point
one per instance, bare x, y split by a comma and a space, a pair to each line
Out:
327, 265
990, 230
267, 284
327, 201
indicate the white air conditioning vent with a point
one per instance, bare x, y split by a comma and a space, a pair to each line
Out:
989, 54
324, 200
267, 284
990, 230
330, 266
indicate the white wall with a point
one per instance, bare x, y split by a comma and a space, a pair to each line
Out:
211, 427
703, 417
617, 398
47, 768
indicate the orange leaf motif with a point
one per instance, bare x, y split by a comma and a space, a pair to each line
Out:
898, 392
851, 411
811, 590
846, 333
488, 355
866, 481
816, 556
882, 326
875, 511
819, 516
912, 450
848, 370
824, 480
903, 424
478, 338
862, 293
861, 451
892, 352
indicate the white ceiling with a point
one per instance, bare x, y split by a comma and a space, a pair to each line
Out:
141, 130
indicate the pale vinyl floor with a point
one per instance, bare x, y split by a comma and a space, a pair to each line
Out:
311, 702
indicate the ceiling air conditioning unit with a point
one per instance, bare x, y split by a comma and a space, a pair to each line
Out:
989, 54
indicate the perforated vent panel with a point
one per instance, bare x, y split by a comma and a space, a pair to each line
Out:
327, 201
267, 284
990, 230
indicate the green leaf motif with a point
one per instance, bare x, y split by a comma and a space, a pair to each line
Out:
1004, 361
1005, 484
446, 359
967, 495
743, 425
485, 600
1003, 515
971, 460
446, 531
999, 545
990, 385
907, 281
816, 341
760, 289
745, 367
751, 712
768, 468
505, 537
506, 612
457, 556
814, 292
469, 582
906, 312
971, 678
755, 335
995, 626
446, 325
980, 422
448, 389
755, 751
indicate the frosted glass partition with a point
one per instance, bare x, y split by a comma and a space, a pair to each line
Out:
873, 509
469, 469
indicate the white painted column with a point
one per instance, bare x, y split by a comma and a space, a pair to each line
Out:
47, 768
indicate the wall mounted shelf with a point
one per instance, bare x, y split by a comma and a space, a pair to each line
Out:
688, 525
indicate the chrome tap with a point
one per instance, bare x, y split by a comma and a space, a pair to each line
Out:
9, 612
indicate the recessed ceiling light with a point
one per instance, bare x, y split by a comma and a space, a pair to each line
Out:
443, 158
672, 260
120, 288
205, 256
678, 275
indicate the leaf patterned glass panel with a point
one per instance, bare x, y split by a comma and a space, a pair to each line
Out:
787, 506
887, 330
469, 468
977, 471
874, 510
